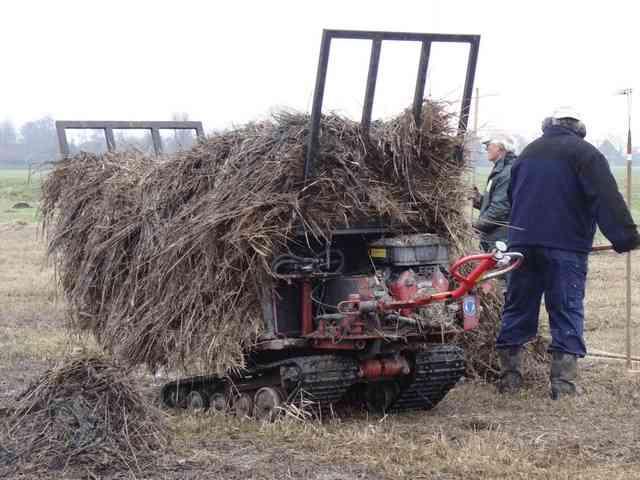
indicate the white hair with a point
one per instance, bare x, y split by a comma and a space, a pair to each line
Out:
504, 141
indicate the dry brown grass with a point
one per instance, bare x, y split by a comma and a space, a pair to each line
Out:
473, 433
31, 334
606, 305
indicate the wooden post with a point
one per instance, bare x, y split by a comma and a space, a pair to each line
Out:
627, 93
629, 203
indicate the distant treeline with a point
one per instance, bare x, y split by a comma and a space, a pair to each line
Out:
36, 142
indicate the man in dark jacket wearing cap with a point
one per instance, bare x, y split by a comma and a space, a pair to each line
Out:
561, 188
494, 203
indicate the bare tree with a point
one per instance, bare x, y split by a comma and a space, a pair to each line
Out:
39, 138
613, 155
8, 134
182, 139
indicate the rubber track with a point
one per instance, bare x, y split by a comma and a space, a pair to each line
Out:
438, 369
326, 378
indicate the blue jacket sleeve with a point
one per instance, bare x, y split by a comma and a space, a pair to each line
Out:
611, 212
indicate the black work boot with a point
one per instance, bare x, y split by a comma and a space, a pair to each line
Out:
510, 376
564, 370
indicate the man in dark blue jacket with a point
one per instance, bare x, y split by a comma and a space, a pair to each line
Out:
561, 187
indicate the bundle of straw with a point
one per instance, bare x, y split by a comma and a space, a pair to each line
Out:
84, 414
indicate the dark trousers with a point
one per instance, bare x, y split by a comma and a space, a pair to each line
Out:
561, 276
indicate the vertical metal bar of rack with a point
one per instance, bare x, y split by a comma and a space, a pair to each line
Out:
318, 96
421, 81
110, 138
372, 78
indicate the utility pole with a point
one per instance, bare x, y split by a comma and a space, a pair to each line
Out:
475, 135
627, 92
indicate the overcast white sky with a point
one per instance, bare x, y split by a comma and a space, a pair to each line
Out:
226, 62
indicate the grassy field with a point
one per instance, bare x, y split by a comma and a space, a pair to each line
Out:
18, 186
473, 433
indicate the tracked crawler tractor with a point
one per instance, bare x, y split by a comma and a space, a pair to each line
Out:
368, 316
366, 322
365, 317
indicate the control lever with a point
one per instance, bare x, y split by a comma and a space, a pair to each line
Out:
483, 271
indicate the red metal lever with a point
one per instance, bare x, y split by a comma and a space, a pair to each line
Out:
487, 262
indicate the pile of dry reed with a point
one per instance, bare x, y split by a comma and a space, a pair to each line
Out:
165, 260
480, 344
84, 414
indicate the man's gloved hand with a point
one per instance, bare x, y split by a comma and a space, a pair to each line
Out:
479, 225
475, 196
631, 243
